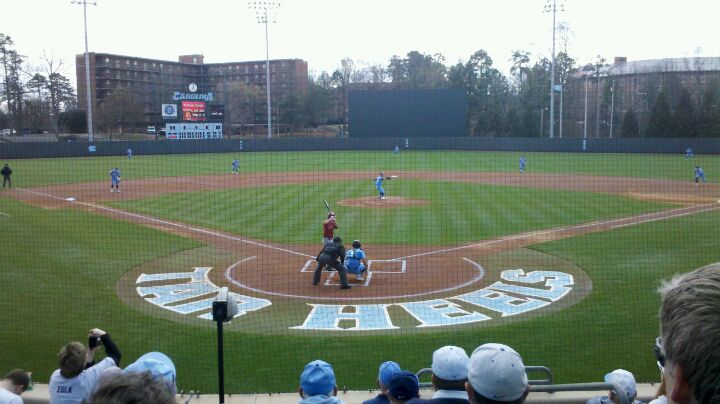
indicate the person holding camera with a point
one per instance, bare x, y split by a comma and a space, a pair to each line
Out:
78, 374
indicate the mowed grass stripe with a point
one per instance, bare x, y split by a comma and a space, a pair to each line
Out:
35, 172
457, 213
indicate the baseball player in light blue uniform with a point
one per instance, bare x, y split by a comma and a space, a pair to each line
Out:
396, 150
378, 185
689, 153
235, 166
523, 162
129, 154
115, 179
356, 261
699, 173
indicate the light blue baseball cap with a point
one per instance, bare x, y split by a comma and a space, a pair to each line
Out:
387, 371
158, 364
317, 378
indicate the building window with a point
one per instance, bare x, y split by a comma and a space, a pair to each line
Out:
127, 62
134, 62
107, 60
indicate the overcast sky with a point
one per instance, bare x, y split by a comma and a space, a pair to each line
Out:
322, 32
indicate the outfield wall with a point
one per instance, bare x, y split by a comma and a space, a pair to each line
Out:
80, 149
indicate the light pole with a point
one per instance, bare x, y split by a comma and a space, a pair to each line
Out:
612, 107
551, 7
88, 92
585, 119
262, 8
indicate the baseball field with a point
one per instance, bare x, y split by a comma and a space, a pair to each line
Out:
561, 262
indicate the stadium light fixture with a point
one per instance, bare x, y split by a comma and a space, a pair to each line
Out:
266, 12
551, 6
88, 92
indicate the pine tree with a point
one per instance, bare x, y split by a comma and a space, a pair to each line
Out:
684, 118
660, 123
630, 126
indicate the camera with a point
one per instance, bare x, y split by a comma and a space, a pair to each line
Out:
94, 341
224, 307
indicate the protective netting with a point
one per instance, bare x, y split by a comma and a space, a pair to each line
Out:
557, 255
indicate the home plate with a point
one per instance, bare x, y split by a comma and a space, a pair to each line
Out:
71, 199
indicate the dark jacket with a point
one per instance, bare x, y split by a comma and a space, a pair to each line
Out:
379, 399
111, 350
6, 171
335, 250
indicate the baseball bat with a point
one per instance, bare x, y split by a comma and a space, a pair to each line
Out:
327, 205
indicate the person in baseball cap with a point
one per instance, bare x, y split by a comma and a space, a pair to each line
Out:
404, 386
317, 384
449, 374
385, 374
625, 380
158, 365
496, 373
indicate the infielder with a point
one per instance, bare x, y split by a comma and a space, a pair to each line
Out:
378, 185
235, 166
523, 163
699, 173
329, 227
115, 179
356, 261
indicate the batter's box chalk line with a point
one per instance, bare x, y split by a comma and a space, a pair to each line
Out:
387, 265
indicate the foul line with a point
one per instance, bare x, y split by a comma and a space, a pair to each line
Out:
653, 216
480, 275
167, 223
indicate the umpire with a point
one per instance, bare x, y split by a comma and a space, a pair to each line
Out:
329, 256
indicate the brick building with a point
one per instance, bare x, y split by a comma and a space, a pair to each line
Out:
153, 82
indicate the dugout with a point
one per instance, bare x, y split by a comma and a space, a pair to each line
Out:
407, 113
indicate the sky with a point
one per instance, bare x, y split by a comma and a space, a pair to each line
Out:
323, 32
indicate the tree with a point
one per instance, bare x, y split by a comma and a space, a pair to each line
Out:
13, 87
418, 71
242, 102
120, 110
684, 119
72, 121
630, 126
709, 113
660, 123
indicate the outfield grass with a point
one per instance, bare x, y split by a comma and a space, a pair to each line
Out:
34, 172
57, 282
456, 213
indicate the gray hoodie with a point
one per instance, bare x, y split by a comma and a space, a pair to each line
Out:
321, 399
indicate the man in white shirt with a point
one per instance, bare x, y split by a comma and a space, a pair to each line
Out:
14, 384
74, 381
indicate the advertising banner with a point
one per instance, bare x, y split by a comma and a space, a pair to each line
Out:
169, 110
217, 112
193, 110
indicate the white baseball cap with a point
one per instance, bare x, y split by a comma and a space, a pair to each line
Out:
625, 379
497, 372
450, 363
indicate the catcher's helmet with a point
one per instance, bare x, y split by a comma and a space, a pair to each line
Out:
337, 239
356, 244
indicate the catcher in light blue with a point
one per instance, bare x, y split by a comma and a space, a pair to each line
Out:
356, 261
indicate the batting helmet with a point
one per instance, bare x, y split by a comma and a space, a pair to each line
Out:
331, 214
356, 244
337, 239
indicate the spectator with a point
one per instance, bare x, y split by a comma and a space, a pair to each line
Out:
135, 388
690, 327
449, 374
496, 374
13, 385
626, 381
78, 373
159, 366
317, 384
385, 375
404, 386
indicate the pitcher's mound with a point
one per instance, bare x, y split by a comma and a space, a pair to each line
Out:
388, 202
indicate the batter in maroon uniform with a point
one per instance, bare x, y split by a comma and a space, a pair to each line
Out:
329, 227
